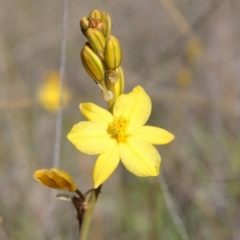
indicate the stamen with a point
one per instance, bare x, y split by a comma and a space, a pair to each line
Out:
118, 128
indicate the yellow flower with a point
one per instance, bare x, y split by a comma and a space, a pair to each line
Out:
194, 50
184, 77
49, 92
120, 135
55, 178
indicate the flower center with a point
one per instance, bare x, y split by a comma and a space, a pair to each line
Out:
117, 128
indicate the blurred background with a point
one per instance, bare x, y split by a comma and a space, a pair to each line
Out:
186, 55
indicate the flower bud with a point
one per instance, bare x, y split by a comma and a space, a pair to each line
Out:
96, 23
96, 39
84, 24
113, 53
95, 14
92, 63
55, 178
62, 179
106, 19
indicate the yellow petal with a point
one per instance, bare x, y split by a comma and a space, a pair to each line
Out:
105, 165
153, 135
140, 157
135, 106
41, 177
91, 137
62, 179
95, 113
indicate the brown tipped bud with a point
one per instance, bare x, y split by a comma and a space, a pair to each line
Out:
96, 23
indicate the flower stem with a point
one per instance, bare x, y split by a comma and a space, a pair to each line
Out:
88, 214
80, 195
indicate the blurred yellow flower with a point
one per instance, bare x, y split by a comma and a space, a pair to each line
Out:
184, 77
120, 135
49, 92
55, 178
193, 50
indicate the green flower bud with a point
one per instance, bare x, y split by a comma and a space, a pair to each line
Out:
113, 53
92, 63
96, 39
84, 24
95, 14
106, 19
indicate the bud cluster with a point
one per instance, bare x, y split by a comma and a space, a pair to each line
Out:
102, 55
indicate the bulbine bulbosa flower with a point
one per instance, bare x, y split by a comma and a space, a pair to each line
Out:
55, 178
120, 135
49, 93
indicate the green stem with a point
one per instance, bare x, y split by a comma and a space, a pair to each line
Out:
87, 215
